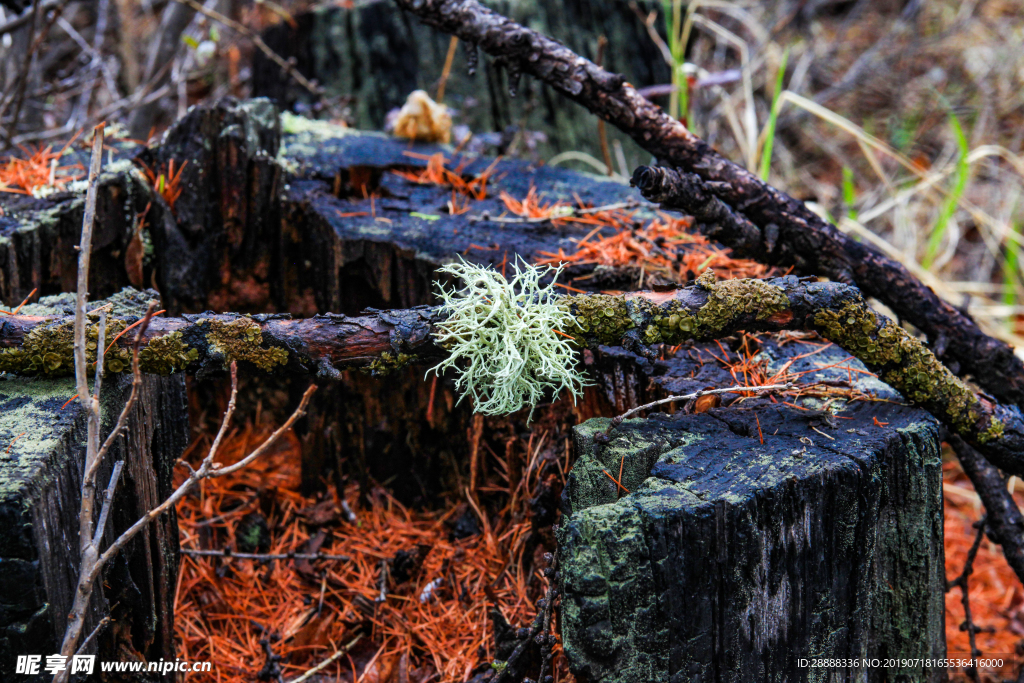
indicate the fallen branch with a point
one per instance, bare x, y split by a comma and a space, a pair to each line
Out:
618, 419
1004, 521
385, 340
803, 239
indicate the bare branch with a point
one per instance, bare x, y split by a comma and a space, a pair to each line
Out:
230, 554
136, 382
108, 499
89, 401
698, 394
206, 470
286, 66
327, 662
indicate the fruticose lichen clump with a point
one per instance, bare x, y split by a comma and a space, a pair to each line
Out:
505, 338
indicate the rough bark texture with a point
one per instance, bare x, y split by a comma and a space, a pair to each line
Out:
218, 246
812, 245
369, 58
343, 254
729, 559
40, 487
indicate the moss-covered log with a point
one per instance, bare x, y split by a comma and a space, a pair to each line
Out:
41, 450
729, 559
386, 340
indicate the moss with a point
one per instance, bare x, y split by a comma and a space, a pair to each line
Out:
730, 299
904, 362
388, 363
608, 318
241, 340
167, 354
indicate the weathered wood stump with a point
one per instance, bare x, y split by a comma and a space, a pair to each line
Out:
41, 461
730, 559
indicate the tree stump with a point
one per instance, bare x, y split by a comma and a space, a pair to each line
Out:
730, 559
40, 496
38, 234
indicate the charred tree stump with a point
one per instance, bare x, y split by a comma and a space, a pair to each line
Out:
38, 234
730, 559
40, 490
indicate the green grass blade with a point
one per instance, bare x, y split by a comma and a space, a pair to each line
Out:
949, 206
769, 139
849, 193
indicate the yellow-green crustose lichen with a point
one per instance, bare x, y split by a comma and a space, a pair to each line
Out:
388, 363
608, 318
906, 364
49, 350
167, 354
242, 340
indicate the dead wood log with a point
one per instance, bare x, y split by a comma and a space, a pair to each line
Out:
804, 240
385, 340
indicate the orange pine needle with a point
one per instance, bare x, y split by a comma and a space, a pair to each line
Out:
134, 324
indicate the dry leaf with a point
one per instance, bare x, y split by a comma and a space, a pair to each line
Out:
707, 402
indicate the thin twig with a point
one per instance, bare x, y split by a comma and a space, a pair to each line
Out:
962, 583
108, 498
89, 402
697, 394
208, 468
95, 632
87, 549
230, 554
22, 19
570, 212
327, 662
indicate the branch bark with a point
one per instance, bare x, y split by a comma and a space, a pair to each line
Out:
803, 239
1004, 521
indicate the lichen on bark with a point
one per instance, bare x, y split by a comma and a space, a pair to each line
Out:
166, 355
241, 340
48, 350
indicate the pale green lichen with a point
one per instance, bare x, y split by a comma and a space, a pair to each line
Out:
503, 338
241, 340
